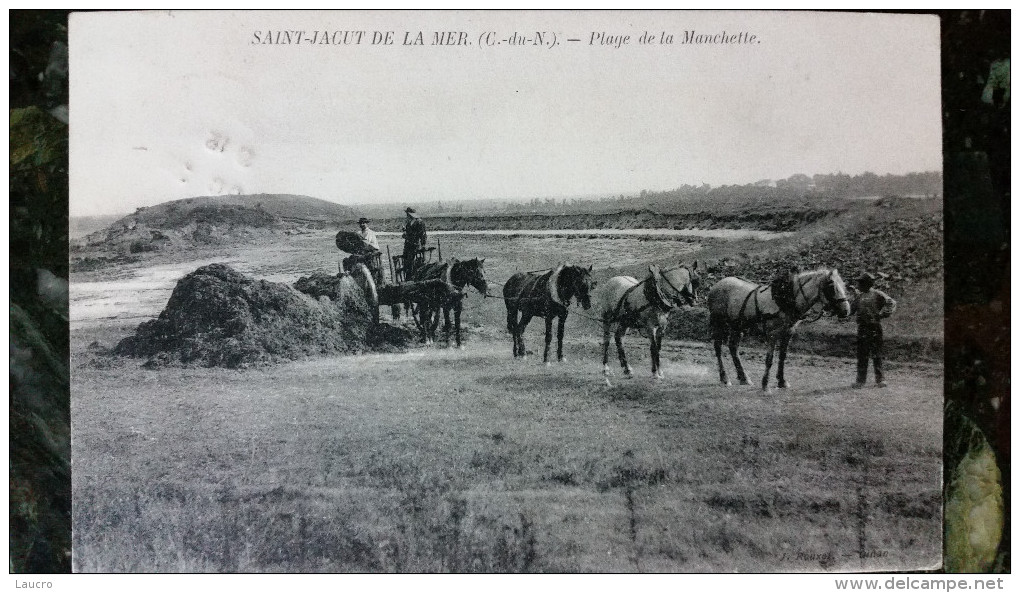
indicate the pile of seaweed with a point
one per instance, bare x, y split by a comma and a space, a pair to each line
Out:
219, 317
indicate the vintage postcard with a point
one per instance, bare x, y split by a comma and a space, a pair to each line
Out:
506, 292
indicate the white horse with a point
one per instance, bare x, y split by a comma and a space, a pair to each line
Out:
624, 302
363, 277
736, 305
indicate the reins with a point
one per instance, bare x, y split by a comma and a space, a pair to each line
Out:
760, 318
623, 301
662, 306
540, 298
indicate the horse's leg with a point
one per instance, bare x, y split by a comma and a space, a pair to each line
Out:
658, 347
416, 315
718, 335
653, 353
784, 343
429, 327
431, 321
456, 321
734, 343
559, 337
548, 337
770, 350
521, 326
657, 351
606, 328
511, 326
620, 331
446, 324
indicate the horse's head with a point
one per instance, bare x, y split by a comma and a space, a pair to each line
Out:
677, 286
471, 272
576, 282
834, 293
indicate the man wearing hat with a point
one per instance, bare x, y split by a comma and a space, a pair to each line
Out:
363, 254
367, 234
414, 239
872, 307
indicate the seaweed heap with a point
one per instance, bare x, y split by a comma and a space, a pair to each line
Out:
382, 337
219, 317
320, 284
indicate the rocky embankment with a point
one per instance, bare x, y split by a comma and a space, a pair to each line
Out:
907, 255
765, 219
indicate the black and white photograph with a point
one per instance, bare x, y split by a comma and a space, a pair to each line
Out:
501, 292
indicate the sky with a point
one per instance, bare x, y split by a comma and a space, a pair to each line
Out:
170, 105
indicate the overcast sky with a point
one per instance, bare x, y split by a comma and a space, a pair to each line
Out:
168, 106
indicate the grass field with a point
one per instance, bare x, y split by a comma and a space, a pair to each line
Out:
466, 460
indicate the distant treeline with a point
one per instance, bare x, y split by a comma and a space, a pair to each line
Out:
836, 185
794, 188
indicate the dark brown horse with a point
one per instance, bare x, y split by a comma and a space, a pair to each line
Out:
548, 294
443, 286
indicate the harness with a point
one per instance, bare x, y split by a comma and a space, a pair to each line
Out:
630, 315
533, 281
760, 318
533, 285
690, 278
442, 271
652, 296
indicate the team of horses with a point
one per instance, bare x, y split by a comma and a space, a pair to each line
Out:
736, 307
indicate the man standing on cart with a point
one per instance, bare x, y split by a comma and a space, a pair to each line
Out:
414, 241
367, 234
363, 247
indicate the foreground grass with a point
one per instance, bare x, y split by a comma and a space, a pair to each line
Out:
444, 460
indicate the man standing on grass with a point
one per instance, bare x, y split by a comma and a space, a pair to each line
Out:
872, 307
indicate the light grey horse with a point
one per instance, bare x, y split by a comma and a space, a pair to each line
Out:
624, 302
736, 305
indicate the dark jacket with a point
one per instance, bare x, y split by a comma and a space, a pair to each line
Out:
415, 236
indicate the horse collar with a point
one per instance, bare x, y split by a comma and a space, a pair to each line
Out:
678, 292
800, 290
654, 297
554, 280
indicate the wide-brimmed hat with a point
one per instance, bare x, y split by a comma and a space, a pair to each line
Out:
363, 220
409, 210
866, 278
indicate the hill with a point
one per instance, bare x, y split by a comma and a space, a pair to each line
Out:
212, 220
284, 206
